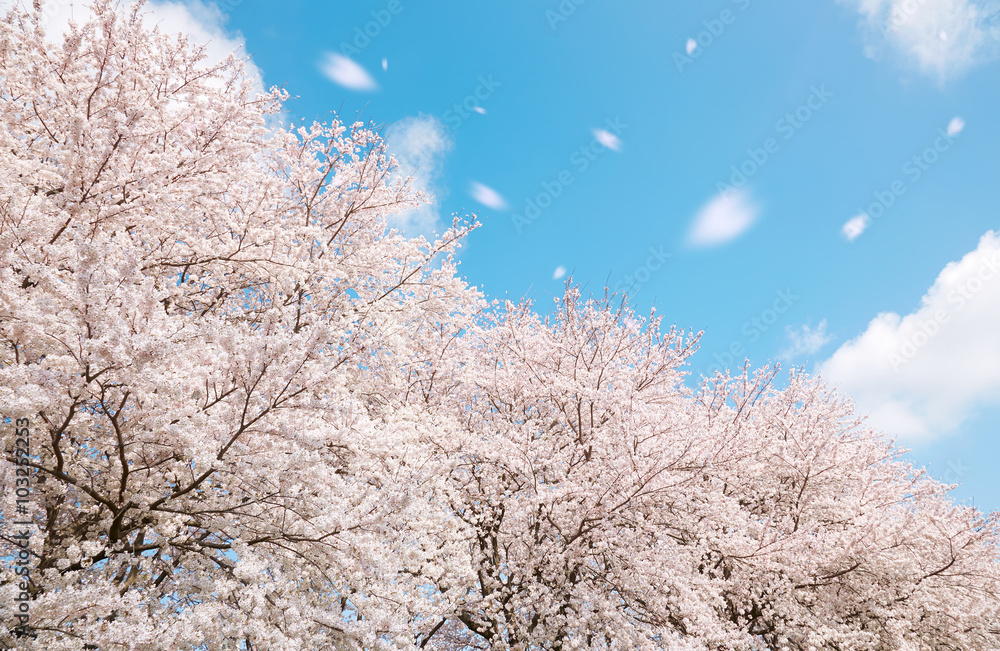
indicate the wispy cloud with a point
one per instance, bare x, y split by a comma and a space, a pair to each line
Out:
420, 144
855, 226
559, 273
346, 72
942, 37
922, 374
487, 196
691, 46
723, 219
805, 340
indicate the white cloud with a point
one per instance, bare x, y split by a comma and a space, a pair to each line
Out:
804, 340
487, 196
723, 219
385, 64
346, 72
855, 226
479, 109
608, 139
691, 46
956, 126
943, 37
419, 144
560, 272
203, 23
922, 375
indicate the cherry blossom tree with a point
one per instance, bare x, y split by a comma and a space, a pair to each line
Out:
611, 508
203, 317
262, 419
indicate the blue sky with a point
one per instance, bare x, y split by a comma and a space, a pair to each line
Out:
810, 183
